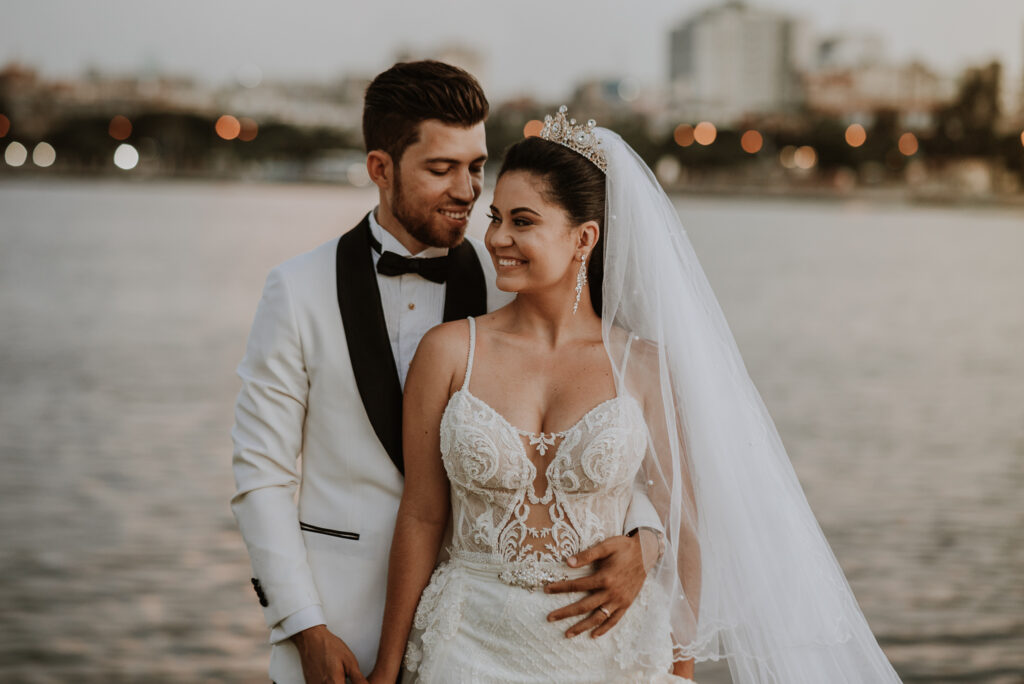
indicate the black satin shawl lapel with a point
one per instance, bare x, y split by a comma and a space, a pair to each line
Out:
466, 293
369, 346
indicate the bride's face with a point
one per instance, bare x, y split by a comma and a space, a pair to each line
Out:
532, 241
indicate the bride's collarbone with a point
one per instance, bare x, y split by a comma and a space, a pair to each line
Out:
535, 403
539, 389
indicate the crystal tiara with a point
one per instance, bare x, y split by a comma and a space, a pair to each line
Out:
579, 139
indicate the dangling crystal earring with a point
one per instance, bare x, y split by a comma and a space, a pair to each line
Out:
581, 280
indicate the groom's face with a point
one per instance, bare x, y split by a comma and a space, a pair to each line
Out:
437, 181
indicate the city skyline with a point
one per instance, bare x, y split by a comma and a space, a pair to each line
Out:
532, 48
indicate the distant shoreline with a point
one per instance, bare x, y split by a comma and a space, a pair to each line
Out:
889, 195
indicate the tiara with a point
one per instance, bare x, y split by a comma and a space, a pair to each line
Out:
579, 139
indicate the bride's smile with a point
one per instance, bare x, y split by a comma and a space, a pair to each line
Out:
533, 241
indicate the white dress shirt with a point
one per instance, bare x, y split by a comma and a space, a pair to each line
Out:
412, 306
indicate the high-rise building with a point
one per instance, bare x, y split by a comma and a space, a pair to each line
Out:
732, 59
1020, 109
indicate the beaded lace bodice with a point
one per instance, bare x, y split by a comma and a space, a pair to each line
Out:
510, 507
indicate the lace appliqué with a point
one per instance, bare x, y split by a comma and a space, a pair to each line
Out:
495, 506
438, 616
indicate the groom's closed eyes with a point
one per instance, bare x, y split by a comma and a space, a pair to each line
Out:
440, 166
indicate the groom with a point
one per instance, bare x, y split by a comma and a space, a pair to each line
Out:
323, 373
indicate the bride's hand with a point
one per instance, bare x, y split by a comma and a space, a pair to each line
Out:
617, 580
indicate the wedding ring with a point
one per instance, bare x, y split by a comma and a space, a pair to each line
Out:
604, 610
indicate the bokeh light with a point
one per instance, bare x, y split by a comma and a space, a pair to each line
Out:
126, 157
705, 133
120, 128
787, 157
668, 170
357, 175
683, 135
5, 125
752, 142
628, 90
228, 127
856, 135
1022, 138
533, 128
249, 75
44, 155
15, 154
908, 144
247, 129
805, 157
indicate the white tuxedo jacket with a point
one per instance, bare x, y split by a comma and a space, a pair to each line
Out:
319, 381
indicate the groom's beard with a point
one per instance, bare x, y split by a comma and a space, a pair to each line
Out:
425, 223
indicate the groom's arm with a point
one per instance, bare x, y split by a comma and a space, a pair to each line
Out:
269, 415
621, 566
643, 521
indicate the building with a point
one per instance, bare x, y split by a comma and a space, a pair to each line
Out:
849, 50
733, 60
855, 93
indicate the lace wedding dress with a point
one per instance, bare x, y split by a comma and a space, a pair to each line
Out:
482, 617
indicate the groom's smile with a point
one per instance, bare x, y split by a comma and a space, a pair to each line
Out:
435, 184
458, 217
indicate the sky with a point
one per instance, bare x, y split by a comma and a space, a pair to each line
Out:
536, 47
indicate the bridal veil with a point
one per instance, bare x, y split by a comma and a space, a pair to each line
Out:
747, 572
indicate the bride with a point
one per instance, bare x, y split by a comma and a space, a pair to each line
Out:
528, 428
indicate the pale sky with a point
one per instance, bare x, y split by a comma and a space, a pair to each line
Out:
540, 47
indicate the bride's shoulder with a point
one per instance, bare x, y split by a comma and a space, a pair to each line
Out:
449, 339
638, 360
633, 348
440, 356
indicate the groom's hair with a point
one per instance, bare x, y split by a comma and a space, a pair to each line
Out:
408, 93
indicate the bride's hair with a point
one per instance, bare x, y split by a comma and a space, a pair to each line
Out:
572, 182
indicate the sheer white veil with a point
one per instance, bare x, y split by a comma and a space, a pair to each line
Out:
747, 574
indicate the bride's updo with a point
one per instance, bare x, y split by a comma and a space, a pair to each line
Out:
572, 182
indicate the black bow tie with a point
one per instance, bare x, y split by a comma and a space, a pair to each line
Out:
434, 269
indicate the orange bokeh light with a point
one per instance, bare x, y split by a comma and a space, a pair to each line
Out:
1022, 138
856, 135
705, 133
228, 127
752, 142
908, 144
5, 126
120, 128
683, 135
805, 157
533, 128
247, 129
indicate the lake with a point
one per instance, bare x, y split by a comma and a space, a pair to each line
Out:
886, 340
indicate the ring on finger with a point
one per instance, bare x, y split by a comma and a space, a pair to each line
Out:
607, 613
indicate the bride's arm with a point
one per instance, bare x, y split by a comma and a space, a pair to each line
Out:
423, 513
668, 466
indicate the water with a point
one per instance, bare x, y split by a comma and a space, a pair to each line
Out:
885, 340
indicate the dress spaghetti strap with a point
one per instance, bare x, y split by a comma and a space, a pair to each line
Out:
625, 356
472, 346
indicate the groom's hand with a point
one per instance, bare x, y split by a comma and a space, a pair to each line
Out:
617, 580
325, 658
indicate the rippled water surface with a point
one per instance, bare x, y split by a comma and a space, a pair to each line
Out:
886, 340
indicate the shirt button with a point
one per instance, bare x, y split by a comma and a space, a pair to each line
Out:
411, 306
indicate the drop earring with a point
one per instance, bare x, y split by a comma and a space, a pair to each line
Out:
581, 280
